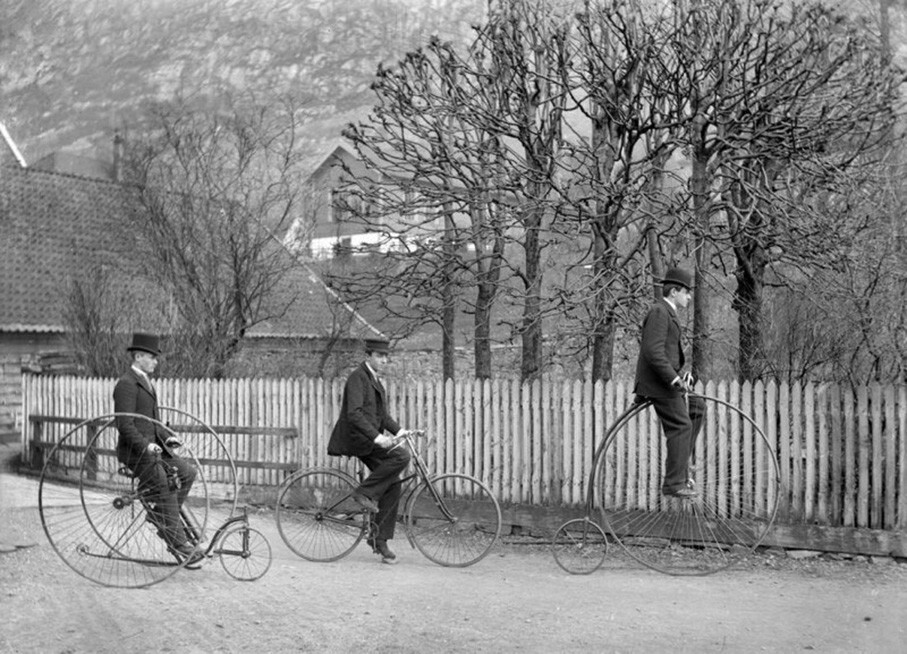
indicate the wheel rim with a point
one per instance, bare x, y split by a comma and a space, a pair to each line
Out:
245, 553
737, 484
465, 532
580, 546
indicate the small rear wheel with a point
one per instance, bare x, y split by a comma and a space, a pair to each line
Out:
316, 516
244, 553
454, 520
580, 546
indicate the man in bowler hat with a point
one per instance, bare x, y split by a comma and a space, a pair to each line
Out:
361, 432
661, 379
143, 447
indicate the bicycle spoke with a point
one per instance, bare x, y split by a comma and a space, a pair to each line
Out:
454, 520
315, 517
733, 509
579, 546
244, 553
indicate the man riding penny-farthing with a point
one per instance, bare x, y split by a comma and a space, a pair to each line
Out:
124, 497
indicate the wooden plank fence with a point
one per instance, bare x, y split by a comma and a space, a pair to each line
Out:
842, 452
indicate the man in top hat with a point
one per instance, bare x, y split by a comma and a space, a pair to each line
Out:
143, 447
360, 432
661, 379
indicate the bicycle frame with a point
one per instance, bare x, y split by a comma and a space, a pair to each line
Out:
215, 539
421, 474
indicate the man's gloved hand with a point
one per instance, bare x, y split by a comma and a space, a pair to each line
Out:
687, 380
683, 382
384, 441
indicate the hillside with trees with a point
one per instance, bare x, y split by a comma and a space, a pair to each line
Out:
73, 71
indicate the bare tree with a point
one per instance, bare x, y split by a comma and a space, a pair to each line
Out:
618, 164
776, 99
100, 313
213, 186
463, 152
529, 48
429, 194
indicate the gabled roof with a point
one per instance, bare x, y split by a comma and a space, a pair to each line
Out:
53, 225
313, 310
337, 151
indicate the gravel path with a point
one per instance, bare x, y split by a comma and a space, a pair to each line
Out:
516, 600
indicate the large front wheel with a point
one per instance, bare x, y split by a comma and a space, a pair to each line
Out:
454, 520
734, 476
97, 517
316, 516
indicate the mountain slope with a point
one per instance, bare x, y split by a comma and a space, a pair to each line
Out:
71, 71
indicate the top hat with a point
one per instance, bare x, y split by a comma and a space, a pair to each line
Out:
146, 343
680, 277
378, 345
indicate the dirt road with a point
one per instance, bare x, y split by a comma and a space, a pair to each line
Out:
515, 600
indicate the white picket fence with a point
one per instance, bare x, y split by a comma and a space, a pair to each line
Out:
842, 452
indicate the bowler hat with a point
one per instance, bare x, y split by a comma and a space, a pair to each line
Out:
377, 345
680, 277
145, 343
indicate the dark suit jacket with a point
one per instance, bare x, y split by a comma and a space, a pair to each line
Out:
660, 353
132, 394
363, 416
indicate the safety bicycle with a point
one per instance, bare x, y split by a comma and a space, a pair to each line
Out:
735, 476
453, 519
100, 522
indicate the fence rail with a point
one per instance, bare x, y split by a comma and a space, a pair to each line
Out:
842, 452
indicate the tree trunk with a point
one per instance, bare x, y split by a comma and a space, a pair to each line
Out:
748, 304
449, 302
448, 367
603, 328
482, 347
532, 319
699, 187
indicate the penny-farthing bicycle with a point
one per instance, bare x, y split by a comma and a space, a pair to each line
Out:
735, 476
99, 520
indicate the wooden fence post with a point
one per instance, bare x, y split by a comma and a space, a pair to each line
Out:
901, 519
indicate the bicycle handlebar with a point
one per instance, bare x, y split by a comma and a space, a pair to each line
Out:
412, 433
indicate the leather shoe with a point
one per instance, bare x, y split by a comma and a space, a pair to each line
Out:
191, 553
380, 547
365, 502
685, 492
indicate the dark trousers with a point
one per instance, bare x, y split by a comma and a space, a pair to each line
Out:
157, 482
384, 486
681, 425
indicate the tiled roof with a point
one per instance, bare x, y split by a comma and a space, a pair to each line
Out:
312, 310
50, 224
53, 225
